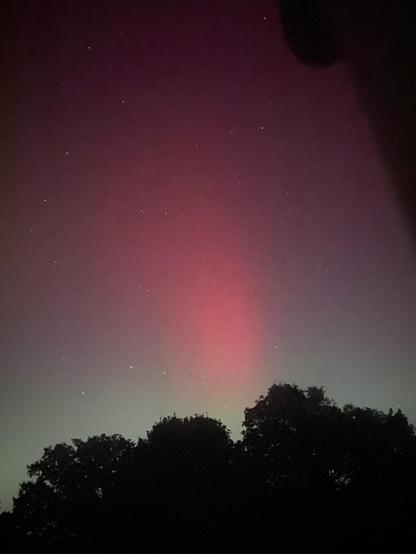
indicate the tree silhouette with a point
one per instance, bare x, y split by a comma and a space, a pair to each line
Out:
303, 464
294, 435
71, 490
178, 479
338, 465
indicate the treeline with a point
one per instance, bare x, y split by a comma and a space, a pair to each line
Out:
307, 476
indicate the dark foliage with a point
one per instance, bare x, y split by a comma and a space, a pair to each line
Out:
306, 476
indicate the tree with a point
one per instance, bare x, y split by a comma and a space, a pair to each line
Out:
323, 463
70, 490
178, 482
380, 457
294, 436
303, 463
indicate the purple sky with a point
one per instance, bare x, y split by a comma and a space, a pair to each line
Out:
188, 214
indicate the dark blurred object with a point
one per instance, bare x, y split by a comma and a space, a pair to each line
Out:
377, 41
309, 32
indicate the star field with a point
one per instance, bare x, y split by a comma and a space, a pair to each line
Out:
188, 215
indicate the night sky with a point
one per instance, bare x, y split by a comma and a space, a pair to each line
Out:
188, 214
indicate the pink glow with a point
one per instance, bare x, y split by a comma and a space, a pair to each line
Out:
211, 318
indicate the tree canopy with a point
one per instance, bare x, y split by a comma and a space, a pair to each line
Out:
303, 464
